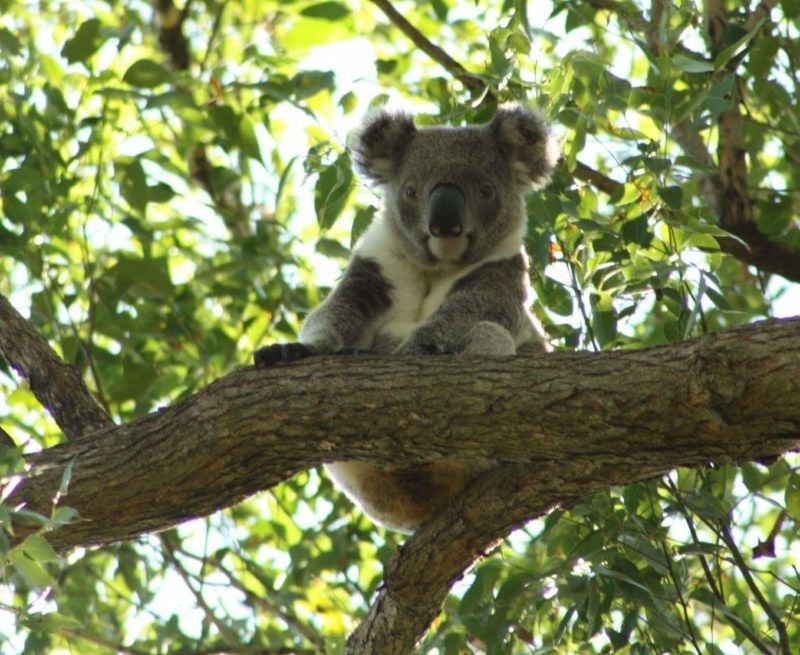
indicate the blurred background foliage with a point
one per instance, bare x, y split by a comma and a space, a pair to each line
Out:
176, 191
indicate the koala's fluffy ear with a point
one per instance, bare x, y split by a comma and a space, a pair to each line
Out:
525, 140
379, 145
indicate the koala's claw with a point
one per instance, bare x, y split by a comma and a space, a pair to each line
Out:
280, 353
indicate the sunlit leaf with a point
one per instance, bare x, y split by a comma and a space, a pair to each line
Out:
84, 43
331, 11
792, 497
146, 74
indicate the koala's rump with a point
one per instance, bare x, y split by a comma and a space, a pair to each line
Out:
403, 498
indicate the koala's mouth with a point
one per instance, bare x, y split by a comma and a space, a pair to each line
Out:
450, 249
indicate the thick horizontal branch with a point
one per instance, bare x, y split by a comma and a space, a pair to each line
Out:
732, 395
57, 386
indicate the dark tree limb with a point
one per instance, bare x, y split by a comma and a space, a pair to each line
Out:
560, 425
731, 395
170, 32
418, 578
59, 387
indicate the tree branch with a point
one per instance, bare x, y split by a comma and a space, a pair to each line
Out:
597, 179
428, 47
58, 386
738, 393
419, 576
170, 32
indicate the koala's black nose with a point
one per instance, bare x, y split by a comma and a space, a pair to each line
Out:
446, 211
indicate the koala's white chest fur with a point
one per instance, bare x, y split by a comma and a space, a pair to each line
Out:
416, 292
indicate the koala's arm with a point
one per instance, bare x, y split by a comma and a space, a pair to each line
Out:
492, 296
361, 295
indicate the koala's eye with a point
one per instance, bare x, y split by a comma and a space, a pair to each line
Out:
410, 192
487, 191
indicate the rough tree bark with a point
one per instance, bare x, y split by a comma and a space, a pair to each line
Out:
561, 426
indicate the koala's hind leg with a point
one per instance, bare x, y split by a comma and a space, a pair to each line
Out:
489, 339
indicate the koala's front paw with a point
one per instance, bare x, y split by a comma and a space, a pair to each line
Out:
279, 353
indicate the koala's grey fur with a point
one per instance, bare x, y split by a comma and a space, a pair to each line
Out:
442, 269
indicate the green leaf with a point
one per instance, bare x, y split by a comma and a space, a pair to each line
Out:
773, 218
332, 190
52, 622
718, 299
792, 496
28, 558
361, 221
133, 182
553, 295
66, 476
637, 231
148, 277
37, 548
9, 43
226, 118
332, 248
672, 196
604, 319
501, 64
791, 8
248, 139
480, 591
146, 74
332, 11
752, 476
309, 83
718, 98
629, 193
85, 43
64, 516
735, 48
689, 65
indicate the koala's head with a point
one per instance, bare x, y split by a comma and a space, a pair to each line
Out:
453, 194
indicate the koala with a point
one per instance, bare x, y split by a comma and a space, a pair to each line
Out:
441, 270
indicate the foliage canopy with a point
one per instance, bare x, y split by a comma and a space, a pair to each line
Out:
176, 191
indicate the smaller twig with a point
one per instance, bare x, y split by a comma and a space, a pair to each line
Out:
679, 591
97, 640
596, 178
215, 28
577, 292
228, 635
429, 48
716, 589
780, 626
261, 602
